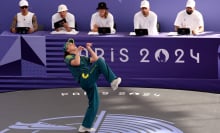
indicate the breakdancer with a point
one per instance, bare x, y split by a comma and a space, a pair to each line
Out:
86, 71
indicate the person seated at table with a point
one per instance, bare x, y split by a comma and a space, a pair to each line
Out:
24, 18
146, 19
63, 20
102, 18
190, 18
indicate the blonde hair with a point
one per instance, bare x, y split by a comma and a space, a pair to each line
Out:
106, 13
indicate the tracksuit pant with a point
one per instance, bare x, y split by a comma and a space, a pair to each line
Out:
88, 83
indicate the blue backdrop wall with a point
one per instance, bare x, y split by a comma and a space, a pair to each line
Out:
123, 11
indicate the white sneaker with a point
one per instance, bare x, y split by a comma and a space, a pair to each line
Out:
115, 83
83, 129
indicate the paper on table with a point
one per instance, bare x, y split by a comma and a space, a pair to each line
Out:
73, 32
93, 33
96, 33
172, 34
132, 34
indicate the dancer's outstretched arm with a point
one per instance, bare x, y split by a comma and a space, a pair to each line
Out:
93, 55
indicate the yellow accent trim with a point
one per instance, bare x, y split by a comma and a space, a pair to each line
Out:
93, 68
68, 56
85, 76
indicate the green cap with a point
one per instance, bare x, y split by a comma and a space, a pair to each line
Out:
70, 40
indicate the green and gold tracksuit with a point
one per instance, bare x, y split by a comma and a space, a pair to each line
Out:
87, 74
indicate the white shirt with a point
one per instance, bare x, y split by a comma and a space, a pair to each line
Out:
70, 19
25, 21
149, 22
103, 22
193, 21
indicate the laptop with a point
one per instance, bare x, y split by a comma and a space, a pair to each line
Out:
183, 31
22, 30
59, 23
104, 30
141, 32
